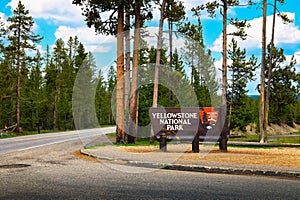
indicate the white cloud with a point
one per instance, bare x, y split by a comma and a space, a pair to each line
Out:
87, 37
57, 11
189, 4
85, 34
3, 18
253, 40
40, 48
297, 57
101, 49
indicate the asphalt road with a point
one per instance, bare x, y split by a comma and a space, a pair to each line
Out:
40, 140
53, 172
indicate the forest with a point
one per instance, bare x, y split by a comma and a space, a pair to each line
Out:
36, 88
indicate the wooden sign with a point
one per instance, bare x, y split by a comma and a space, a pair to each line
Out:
174, 119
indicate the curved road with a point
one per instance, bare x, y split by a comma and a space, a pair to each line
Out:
40, 140
53, 171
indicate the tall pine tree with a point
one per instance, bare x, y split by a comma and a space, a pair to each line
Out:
242, 72
21, 37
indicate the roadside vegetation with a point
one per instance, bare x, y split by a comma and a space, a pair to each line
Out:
288, 139
36, 87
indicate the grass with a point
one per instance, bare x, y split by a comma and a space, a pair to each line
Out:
140, 142
290, 140
165, 166
246, 138
111, 134
280, 139
5, 136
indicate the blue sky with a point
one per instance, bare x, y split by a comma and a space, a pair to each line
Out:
60, 19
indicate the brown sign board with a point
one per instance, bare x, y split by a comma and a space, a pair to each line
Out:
174, 119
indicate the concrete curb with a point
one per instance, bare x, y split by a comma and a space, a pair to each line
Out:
198, 168
234, 171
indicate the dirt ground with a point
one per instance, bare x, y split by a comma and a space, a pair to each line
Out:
287, 156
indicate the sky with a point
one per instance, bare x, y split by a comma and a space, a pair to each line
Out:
56, 19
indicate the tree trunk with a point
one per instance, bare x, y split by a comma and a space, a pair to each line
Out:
18, 92
127, 58
231, 99
157, 60
224, 58
134, 84
270, 66
192, 71
171, 57
127, 70
18, 109
120, 78
262, 120
55, 112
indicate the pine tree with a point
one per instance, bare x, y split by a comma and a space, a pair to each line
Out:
2, 36
285, 19
21, 37
174, 13
242, 71
101, 99
262, 118
113, 25
283, 96
74, 50
35, 90
50, 92
133, 109
177, 63
224, 5
60, 63
158, 52
7, 91
203, 73
84, 94
6, 83
111, 84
